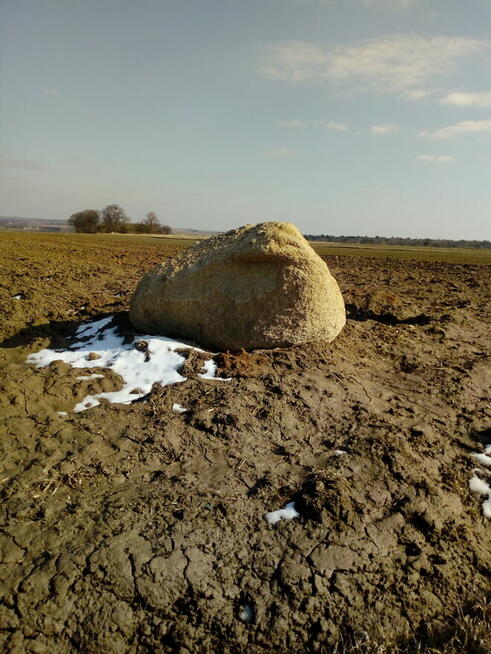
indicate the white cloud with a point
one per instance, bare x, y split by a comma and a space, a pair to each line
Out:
290, 123
459, 129
280, 153
333, 125
437, 158
399, 62
415, 94
468, 99
384, 128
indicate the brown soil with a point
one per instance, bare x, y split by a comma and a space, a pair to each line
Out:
131, 528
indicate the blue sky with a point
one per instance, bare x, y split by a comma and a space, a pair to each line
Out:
343, 116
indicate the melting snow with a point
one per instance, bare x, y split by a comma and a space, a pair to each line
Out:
288, 513
480, 486
482, 458
139, 369
210, 370
179, 408
87, 377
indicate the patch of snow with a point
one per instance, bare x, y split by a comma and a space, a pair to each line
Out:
179, 408
17, 297
487, 449
62, 413
86, 377
139, 370
339, 452
478, 485
484, 459
210, 371
87, 330
246, 613
288, 513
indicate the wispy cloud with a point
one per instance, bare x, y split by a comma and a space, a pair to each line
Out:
384, 128
390, 4
416, 94
459, 99
333, 125
329, 124
399, 62
290, 123
459, 129
280, 153
435, 158
26, 164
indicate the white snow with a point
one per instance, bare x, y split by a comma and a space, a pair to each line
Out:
478, 485
87, 377
179, 408
139, 370
288, 513
482, 458
17, 297
246, 613
210, 371
62, 413
339, 452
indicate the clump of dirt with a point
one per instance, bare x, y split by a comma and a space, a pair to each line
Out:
243, 364
135, 528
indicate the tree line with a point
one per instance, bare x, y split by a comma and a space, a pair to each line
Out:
113, 218
397, 240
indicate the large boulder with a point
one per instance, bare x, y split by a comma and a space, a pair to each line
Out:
257, 286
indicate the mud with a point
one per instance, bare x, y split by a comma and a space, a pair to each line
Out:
133, 528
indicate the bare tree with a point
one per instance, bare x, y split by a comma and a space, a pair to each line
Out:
114, 218
151, 223
85, 221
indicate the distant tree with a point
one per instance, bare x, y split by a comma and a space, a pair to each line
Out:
165, 229
151, 223
114, 219
85, 221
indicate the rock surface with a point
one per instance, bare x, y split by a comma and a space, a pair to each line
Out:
258, 286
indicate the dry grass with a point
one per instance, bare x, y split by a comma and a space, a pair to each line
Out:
468, 631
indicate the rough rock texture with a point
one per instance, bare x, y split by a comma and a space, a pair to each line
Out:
257, 286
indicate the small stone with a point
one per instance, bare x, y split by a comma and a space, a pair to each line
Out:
93, 356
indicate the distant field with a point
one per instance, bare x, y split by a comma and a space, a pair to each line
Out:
405, 252
401, 253
398, 252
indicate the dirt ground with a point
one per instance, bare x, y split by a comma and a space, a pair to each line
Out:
132, 528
